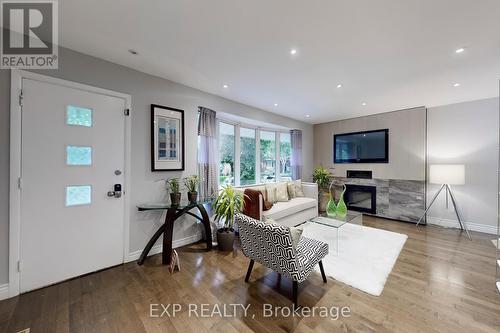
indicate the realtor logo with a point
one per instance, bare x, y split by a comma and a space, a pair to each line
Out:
29, 34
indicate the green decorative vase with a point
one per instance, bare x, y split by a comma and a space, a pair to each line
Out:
331, 208
341, 206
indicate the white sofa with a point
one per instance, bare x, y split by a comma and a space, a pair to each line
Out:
292, 212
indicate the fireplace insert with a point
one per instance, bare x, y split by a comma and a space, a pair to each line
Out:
361, 198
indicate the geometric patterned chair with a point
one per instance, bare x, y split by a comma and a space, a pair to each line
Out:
270, 244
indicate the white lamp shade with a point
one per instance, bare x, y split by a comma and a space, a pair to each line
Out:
452, 174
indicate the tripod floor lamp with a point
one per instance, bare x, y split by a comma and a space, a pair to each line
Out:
446, 175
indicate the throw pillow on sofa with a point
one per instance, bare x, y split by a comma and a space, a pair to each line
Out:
291, 190
262, 190
295, 189
271, 193
282, 192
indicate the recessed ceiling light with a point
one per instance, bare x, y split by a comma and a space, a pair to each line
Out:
339, 85
456, 84
275, 104
225, 86
134, 52
460, 50
293, 51
308, 116
364, 103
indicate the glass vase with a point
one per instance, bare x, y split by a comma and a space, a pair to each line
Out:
331, 208
341, 206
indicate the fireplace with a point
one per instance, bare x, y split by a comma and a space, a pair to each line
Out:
361, 198
362, 174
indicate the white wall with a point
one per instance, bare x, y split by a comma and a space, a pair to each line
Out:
466, 133
4, 174
406, 144
145, 90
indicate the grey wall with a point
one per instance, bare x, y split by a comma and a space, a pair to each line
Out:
406, 144
145, 90
466, 133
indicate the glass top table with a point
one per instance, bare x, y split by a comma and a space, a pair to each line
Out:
173, 213
166, 205
336, 222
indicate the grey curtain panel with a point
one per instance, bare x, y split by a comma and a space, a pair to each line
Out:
207, 153
296, 162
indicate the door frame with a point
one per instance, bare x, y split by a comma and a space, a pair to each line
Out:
16, 164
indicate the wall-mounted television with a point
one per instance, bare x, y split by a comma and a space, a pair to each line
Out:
361, 147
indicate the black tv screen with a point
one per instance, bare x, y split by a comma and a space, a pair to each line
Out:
361, 147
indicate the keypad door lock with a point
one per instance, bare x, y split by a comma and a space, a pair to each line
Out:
117, 191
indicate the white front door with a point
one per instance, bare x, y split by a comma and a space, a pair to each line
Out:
73, 153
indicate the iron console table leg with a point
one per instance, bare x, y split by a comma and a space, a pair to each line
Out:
166, 229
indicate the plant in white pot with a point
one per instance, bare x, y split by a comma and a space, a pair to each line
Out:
226, 205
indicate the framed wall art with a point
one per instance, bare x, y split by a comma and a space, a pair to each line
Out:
167, 138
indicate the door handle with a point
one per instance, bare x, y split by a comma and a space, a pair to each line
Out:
117, 191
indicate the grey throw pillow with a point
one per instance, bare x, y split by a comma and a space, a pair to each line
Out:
296, 233
295, 189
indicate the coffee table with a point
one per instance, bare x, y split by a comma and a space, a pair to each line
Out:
337, 222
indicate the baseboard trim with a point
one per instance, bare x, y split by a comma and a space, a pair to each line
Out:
159, 247
488, 229
4, 291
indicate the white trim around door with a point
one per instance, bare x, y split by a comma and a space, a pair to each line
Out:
15, 166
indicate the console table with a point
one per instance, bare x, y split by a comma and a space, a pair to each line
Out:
167, 228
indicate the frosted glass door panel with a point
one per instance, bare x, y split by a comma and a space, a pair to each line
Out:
78, 155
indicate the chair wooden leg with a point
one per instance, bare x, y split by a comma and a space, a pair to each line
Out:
295, 286
322, 271
249, 271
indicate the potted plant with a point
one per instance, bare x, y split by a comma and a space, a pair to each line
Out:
191, 184
322, 177
174, 189
226, 205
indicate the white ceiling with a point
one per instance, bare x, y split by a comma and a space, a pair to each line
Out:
391, 54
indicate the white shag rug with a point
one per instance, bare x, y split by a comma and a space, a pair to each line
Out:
366, 255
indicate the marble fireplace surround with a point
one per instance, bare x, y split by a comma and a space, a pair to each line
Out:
397, 199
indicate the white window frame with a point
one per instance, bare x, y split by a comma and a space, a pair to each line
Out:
237, 151
218, 150
278, 144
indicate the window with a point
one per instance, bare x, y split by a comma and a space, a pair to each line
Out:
285, 156
267, 157
247, 156
78, 195
226, 154
78, 155
78, 116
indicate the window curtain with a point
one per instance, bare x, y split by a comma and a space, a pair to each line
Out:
296, 162
207, 153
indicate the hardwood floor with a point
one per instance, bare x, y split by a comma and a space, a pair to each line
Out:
442, 282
